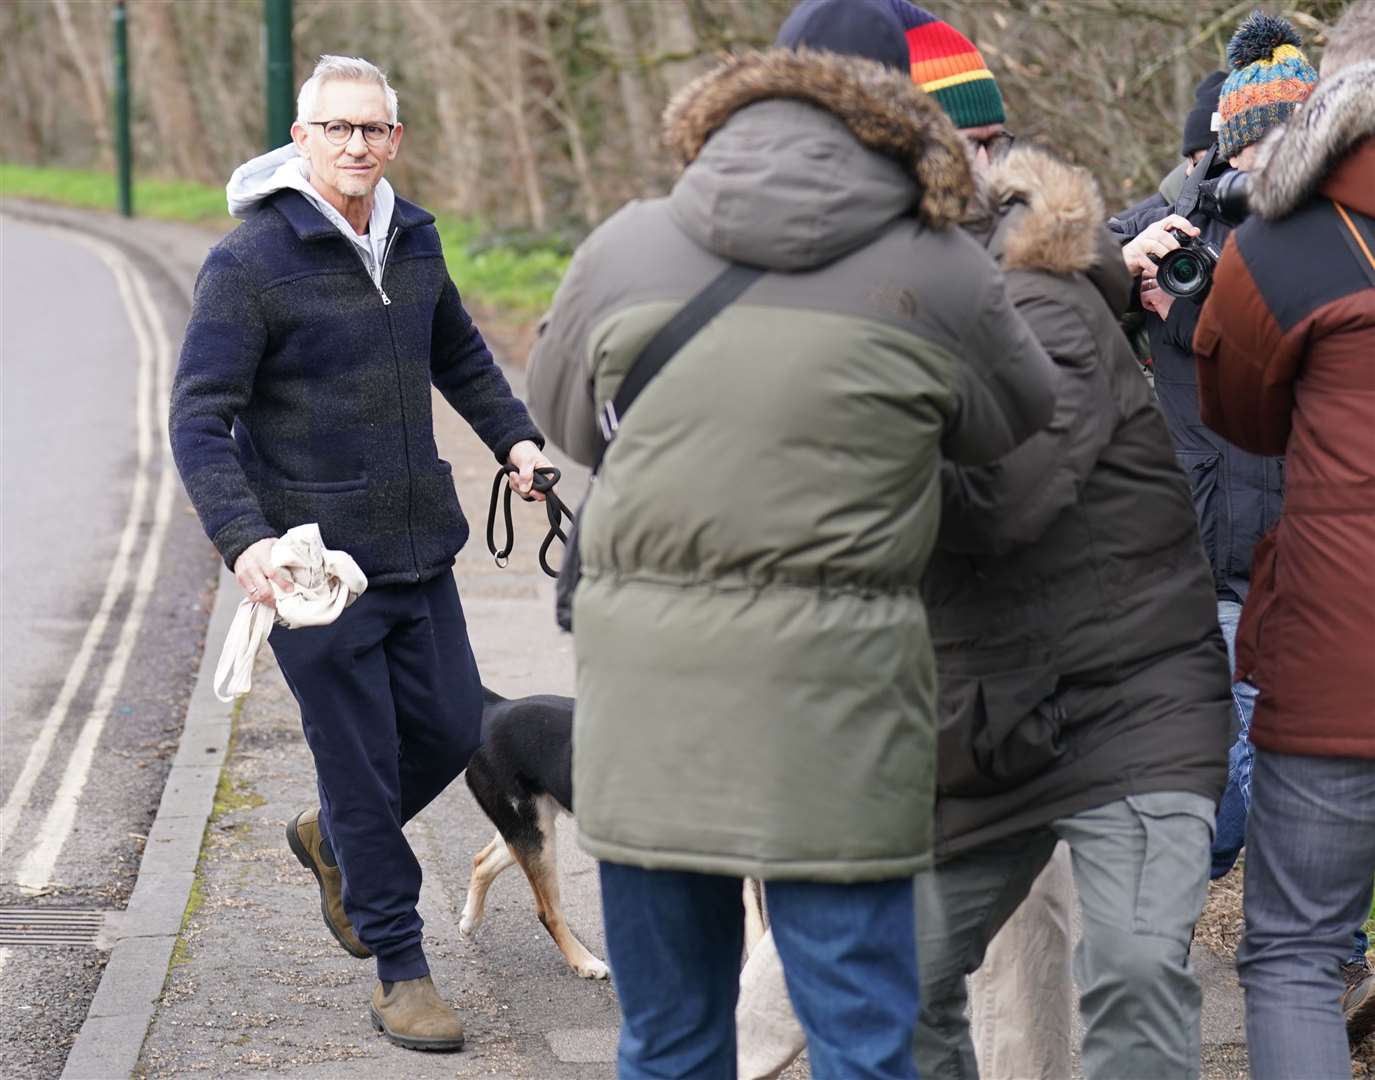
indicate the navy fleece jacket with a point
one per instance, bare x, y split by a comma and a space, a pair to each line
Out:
303, 391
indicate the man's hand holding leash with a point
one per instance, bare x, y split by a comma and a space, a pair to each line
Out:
526, 457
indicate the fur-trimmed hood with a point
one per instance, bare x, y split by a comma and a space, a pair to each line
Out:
793, 158
1295, 159
1037, 213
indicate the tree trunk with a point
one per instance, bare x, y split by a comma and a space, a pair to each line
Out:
564, 109
97, 104
169, 83
520, 128
675, 38
457, 107
641, 138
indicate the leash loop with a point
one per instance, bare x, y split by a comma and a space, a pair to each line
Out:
555, 511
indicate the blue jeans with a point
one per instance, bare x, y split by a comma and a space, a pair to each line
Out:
1310, 859
675, 939
1236, 800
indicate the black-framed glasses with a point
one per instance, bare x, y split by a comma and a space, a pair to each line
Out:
339, 132
995, 145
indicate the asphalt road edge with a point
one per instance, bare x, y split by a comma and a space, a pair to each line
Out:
141, 938
143, 935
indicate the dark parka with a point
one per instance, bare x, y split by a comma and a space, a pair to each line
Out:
1070, 605
756, 688
1286, 364
1236, 495
303, 391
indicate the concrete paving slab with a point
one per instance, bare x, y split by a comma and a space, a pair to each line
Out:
190, 791
158, 902
174, 843
203, 745
133, 980
109, 1047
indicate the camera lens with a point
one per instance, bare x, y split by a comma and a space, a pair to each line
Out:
1183, 273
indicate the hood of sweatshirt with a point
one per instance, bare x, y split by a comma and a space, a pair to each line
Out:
284, 169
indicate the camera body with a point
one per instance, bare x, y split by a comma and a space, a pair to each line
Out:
1187, 272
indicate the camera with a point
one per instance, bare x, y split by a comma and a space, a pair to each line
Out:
1187, 272
1226, 199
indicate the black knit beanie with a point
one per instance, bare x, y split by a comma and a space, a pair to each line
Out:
1199, 133
867, 28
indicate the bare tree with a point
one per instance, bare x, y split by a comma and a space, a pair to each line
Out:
520, 127
563, 108
89, 78
169, 93
642, 142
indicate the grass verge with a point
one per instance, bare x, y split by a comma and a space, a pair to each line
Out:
515, 279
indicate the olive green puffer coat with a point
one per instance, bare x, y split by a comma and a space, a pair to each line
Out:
756, 688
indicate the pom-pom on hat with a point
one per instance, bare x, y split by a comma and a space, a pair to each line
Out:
1270, 78
947, 66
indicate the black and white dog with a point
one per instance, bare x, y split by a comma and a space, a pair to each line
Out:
522, 777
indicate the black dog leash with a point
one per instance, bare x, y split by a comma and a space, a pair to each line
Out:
545, 479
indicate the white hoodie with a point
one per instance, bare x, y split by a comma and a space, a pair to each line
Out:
255, 180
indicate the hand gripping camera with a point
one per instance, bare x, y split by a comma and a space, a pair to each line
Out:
1187, 271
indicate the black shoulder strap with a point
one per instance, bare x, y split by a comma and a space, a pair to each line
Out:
1187, 202
672, 336
1359, 237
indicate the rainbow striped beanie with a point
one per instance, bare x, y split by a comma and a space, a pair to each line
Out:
1270, 79
947, 66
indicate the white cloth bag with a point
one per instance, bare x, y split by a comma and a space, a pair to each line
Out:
325, 582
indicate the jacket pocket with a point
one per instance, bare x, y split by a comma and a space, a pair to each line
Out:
438, 528
339, 507
1173, 883
1203, 468
998, 730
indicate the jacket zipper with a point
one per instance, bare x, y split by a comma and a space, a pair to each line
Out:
400, 392
381, 270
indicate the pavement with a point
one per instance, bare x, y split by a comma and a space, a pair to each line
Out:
222, 966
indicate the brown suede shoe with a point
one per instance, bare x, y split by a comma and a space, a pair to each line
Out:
307, 843
413, 1015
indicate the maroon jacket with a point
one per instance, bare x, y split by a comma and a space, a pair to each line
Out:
1286, 365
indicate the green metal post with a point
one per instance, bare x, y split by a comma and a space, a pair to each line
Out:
281, 101
123, 150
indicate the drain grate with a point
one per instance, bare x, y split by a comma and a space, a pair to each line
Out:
49, 926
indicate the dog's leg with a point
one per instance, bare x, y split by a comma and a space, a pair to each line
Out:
487, 864
540, 863
755, 923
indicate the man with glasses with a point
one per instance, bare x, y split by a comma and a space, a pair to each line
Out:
303, 395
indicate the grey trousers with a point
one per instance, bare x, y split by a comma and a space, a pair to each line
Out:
1141, 872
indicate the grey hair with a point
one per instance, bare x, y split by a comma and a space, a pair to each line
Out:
348, 68
1351, 40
